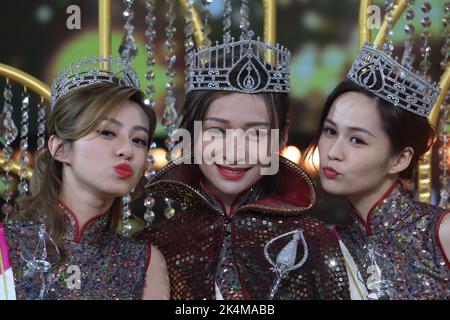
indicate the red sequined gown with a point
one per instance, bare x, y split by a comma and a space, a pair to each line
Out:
208, 251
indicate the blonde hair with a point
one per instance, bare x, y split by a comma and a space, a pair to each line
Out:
74, 116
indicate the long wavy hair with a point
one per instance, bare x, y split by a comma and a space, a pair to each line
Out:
75, 115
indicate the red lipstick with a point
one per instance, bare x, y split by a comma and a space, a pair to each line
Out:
231, 173
124, 170
330, 173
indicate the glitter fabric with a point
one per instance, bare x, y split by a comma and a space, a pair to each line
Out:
193, 241
402, 234
111, 266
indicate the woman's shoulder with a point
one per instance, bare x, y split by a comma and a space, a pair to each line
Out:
13, 228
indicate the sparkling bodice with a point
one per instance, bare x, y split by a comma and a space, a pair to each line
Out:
100, 264
397, 251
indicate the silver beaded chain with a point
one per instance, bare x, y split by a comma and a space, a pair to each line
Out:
9, 135
128, 47
388, 45
149, 201
24, 158
227, 11
170, 112
206, 28
41, 125
245, 23
188, 39
408, 54
150, 34
425, 49
126, 214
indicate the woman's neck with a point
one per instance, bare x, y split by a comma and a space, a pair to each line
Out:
83, 204
226, 199
364, 202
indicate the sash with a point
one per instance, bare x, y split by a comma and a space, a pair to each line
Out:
358, 290
7, 291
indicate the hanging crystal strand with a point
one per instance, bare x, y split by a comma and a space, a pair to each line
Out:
9, 134
445, 50
425, 49
444, 121
189, 39
150, 34
149, 201
245, 23
169, 212
170, 112
388, 46
128, 47
24, 158
206, 28
126, 214
227, 11
408, 55
41, 126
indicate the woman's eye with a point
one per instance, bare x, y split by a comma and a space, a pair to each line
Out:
216, 130
329, 131
106, 133
356, 140
257, 134
140, 141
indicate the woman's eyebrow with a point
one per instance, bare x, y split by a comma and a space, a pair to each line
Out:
120, 124
351, 128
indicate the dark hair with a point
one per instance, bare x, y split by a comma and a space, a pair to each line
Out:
404, 128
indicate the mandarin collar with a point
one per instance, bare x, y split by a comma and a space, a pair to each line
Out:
180, 180
386, 213
91, 232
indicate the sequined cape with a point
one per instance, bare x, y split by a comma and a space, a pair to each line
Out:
191, 240
111, 266
404, 234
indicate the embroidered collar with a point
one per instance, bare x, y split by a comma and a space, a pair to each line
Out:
246, 197
387, 212
91, 232
181, 182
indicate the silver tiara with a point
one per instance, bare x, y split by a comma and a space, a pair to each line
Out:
385, 77
246, 66
90, 71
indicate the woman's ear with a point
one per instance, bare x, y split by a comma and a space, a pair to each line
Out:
401, 161
57, 149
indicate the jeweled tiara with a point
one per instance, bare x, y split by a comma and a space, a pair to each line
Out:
385, 77
247, 66
90, 71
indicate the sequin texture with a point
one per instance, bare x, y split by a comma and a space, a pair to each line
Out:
111, 266
200, 242
402, 234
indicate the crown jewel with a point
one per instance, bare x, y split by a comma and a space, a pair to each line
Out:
90, 71
380, 74
247, 66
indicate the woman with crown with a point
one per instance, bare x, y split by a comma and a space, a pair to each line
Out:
372, 133
245, 232
61, 239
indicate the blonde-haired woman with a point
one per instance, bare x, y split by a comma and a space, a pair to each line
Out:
99, 134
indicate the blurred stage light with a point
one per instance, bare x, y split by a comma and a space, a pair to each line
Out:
292, 153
